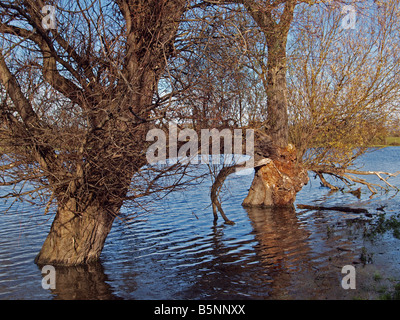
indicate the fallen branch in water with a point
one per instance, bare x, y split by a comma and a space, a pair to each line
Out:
343, 209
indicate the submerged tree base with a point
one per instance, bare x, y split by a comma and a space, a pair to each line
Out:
76, 238
278, 179
277, 182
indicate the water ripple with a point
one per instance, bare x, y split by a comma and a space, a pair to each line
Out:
176, 251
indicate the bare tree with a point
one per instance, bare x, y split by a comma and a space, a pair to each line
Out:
79, 96
343, 87
76, 105
280, 177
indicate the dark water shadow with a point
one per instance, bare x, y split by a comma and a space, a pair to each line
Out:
86, 282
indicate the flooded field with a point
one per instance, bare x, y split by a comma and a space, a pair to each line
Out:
177, 252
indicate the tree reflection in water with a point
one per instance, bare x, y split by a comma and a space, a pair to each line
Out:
85, 282
283, 247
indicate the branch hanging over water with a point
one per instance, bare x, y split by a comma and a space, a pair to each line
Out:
349, 176
216, 189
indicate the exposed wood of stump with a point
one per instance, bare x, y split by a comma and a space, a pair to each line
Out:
278, 177
277, 182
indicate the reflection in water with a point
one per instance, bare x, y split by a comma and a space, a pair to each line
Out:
87, 282
301, 264
274, 259
259, 271
283, 246
282, 240
177, 253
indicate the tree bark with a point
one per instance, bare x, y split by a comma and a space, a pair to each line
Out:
277, 183
215, 190
274, 75
76, 238
276, 89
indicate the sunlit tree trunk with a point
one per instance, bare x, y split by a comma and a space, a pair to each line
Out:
76, 238
276, 184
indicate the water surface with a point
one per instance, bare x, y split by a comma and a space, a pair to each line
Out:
175, 251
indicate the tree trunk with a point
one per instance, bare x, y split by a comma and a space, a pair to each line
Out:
277, 183
87, 157
76, 238
276, 89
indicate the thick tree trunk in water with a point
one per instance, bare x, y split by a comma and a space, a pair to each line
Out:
278, 179
86, 158
277, 183
76, 239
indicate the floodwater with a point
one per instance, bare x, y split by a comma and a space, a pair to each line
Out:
175, 251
